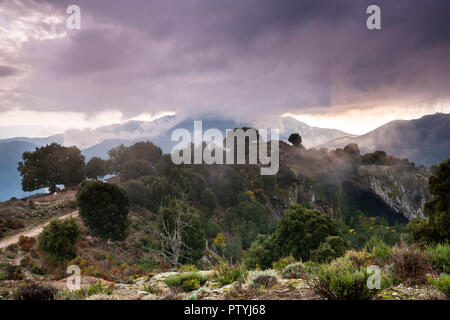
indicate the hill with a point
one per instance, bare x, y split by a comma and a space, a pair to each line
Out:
424, 141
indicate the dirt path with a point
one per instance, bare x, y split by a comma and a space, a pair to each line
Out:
32, 232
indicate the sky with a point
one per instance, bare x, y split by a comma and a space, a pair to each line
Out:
241, 59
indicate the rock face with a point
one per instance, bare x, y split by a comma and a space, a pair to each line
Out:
405, 193
342, 181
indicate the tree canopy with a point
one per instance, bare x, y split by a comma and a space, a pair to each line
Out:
104, 208
436, 228
51, 165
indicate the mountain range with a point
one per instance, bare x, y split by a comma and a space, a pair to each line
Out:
424, 141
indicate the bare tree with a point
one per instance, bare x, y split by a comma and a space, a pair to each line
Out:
171, 230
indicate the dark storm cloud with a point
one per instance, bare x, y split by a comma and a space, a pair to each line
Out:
6, 71
238, 56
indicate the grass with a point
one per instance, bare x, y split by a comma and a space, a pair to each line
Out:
227, 273
187, 280
84, 293
439, 256
442, 283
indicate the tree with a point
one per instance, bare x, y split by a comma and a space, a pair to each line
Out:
51, 165
135, 169
139, 151
300, 231
96, 168
104, 209
295, 139
436, 228
249, 218
181, 237
59, 239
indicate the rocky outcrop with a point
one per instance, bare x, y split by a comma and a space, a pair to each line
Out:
403, 191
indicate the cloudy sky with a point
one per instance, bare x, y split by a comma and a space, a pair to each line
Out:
242, 59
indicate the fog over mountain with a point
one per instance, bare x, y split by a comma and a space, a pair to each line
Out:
423, 141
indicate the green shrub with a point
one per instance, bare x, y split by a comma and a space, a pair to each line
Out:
83, 293
294, 271
263, 279
188, 268
59, 239
282, 263
104, 208
179, 279
442, 283
35, 291
439, 256
190, 285
343, 280
227, 273
379, 249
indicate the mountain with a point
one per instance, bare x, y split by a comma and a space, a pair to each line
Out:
424, 141
11, 154
311, 136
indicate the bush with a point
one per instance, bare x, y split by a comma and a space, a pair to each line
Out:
410, 264
442, 283
26, 243
379, 249
83, 293
35, 291
294, 271
59, 239
104, 209
262, 252
227, 273
281, 263
333, 247
360, 258
9, 271
439, 256
179, 279
263, 279
190, 285
343, 280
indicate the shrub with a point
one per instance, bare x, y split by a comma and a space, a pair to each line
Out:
262, 252
379, 249
104, 209
343, 280
10, 271
35, 291
83, 293
190, 285
301, 232
26, 243
179, 279
188, 268
360, 258
281, 263
410, 264
439, 256
263, 279
59, 239
293, 271
227, 273
442, 283
15, 224
333, 247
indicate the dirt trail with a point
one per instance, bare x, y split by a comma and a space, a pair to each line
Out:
32, 232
